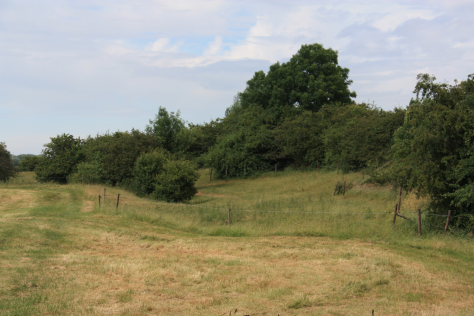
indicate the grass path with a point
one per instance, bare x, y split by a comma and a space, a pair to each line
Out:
62, 255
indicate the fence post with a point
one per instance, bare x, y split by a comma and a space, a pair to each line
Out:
399, 199
317, 162
395, 214
229, 215
210, 174
419, 222
447, 222
99, 200
225, 174
336, 188
118, 198
82, 179
344, 190
104, 194
337, 166
275, 169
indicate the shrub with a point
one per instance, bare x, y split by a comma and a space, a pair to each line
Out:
7, 170
60, 159
176, 182
159, 175
147, 167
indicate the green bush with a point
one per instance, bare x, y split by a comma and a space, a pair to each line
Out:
7, 170
176, 182
60, 159
147, 167
160, 176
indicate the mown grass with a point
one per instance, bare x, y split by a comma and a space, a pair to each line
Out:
62, 254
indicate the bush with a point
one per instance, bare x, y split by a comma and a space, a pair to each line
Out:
160, 176
176, 183
60, 159
7, 170
147, 167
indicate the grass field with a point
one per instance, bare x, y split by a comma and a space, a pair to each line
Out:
292, 249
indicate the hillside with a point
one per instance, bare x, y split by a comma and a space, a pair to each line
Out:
293, 248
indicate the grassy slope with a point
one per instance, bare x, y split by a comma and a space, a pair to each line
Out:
61, 254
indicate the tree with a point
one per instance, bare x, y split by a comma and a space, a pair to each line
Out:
170, 130
7, 170
112, 157
432, 152
359, 135
147, 167
28, 162
159, 175
311, 79
60, 158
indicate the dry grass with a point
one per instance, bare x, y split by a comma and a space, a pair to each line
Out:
62, 260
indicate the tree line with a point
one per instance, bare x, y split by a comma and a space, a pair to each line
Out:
300, 114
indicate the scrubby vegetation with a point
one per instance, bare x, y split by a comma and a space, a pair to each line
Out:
299, 115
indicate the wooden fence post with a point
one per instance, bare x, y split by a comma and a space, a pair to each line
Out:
225, 174
228, 214
344, 190
104, 194
419, 222
210, 174
82, 179
395, 214
275, 169
447, 222
118, 198
399, 199
99, 200
336, 188
317, 162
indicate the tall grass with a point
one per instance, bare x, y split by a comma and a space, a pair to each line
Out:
289, 203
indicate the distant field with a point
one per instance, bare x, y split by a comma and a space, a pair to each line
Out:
293, 248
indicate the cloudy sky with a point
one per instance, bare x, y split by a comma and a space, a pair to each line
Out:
84, 67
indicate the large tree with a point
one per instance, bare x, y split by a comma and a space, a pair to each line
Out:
309, 80
433, 150
7, 170
60, 158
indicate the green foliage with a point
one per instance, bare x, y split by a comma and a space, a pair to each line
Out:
60, 158
248, 145
176, 182
433, 152
359, 135
112, 156
301, 139
203, 138
159, 175
310, 80
147, 167
28, 162
170, 130
7, 169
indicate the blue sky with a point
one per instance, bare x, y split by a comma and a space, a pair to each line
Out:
85, 67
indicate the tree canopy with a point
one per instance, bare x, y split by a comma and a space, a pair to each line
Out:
433, 150
311, 79
7, 169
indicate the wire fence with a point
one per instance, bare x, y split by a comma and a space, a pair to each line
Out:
430, 225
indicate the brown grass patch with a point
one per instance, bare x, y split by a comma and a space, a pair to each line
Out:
17, 199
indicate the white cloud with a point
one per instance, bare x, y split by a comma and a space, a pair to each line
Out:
162, 45
124, 59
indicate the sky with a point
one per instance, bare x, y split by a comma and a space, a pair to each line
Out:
87, 67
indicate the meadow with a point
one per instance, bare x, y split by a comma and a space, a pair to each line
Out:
293, 248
